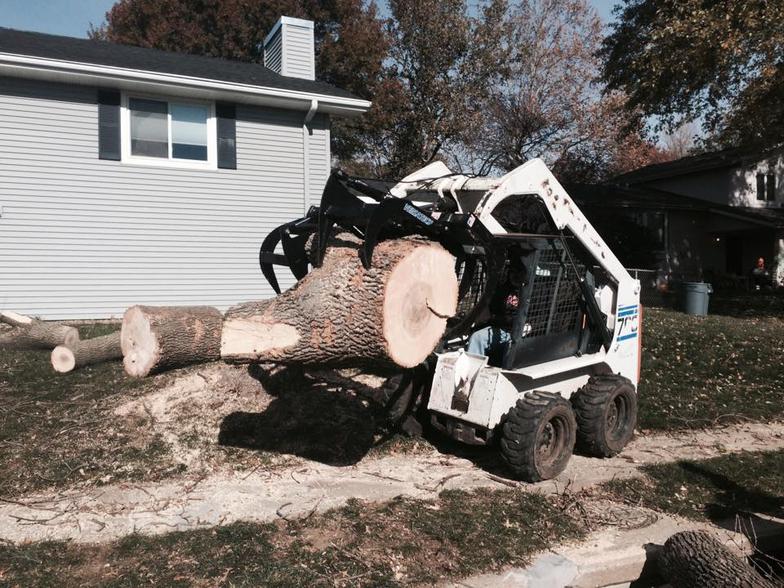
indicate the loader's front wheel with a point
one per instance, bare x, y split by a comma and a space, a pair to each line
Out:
403, 394
606, 412
538, 436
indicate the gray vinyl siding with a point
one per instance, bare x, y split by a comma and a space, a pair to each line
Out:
86, 238
300, 57
273, 54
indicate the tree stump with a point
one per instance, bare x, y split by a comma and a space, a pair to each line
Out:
341, 314
154, 339
696, 559
86, 352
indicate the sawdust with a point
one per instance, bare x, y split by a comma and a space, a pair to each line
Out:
188, 412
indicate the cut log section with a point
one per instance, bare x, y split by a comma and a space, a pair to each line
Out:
154, 339
696, 559
341, 314
86, 352
33, 334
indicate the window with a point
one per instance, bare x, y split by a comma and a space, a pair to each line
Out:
760, 186
766, 187
169, 132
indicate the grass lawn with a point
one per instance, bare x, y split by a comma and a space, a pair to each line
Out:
701, 371
398, 543
56, 429
712, 489
727, 490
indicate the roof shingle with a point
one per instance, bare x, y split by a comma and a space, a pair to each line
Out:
153, 60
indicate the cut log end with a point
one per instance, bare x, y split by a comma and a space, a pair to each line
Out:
139, 344
63, 359
71, 337
421, 294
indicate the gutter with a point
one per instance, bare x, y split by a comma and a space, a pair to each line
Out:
306, 152
741, 217
104, 75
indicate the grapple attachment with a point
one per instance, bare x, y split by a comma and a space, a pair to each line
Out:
373, 214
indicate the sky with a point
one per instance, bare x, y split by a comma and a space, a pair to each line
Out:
73, 17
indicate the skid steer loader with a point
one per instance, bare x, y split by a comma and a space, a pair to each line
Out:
562, 369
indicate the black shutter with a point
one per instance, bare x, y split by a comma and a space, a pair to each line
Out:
109, 125
226, 114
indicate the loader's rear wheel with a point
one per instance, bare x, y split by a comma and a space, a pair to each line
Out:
538, 436
606, 412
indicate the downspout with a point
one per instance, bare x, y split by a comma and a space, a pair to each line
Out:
306, 150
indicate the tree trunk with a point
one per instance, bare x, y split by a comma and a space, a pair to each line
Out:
341, 314
154, 339
33, 334
695, 559
98, 349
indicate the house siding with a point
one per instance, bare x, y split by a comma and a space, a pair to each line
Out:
299, 60
82, 237
273, 52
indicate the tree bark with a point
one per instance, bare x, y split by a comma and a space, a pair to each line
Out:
696, 559
341, 314
96, 350
33, 334
154, 339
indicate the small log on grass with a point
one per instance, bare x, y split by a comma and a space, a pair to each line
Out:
154, 339
33, 334
696, 559
341, 314
86, 352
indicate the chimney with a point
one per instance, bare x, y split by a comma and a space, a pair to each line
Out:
289, 49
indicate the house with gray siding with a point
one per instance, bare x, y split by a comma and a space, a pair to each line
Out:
704, 217
136, 176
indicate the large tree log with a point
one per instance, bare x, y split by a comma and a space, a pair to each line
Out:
154, 339
33, 334
696, 559
86, 352
342, 314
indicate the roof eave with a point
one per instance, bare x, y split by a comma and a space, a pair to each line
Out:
140, 80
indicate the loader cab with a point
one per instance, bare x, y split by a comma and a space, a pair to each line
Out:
551, 321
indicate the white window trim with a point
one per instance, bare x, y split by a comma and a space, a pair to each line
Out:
125, 135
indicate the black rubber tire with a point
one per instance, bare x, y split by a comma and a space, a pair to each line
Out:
406, 394
606, 413
397, 395
538, 436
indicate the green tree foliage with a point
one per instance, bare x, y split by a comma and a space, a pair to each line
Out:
721, 61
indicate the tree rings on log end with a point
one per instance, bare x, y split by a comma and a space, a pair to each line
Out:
421, 293
63, 359
138, 342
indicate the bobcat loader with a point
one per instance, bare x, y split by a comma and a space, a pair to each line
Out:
562, 370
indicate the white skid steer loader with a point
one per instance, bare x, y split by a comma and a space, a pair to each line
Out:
543, 354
